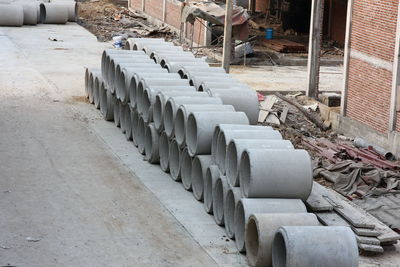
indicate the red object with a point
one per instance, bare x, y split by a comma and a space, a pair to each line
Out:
260, 97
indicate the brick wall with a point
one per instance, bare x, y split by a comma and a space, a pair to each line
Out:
173, 14
154, 8
370, 84
198, 35
136, 4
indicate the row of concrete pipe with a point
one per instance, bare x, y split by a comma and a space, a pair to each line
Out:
31, 12
197, 122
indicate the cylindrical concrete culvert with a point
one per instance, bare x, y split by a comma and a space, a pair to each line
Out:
185, 109
11, 15
186, 169
107, 102
140, 135
107, 53
212, 174
205, 86
127, 59
261, 230
219, 190
175, 154
72, 7
30, 13
237, 146
151, 143
162, 55
128, 122
93, 73
245, 100
53, 13
189, 71
96, 91
116, 112
275, 173
161, 99
201, 125
327, 246
200, 165
225, 136
173, 104
135, 122
133, 43
232, 198
149, 97
167, 46
223, 127
174, 67
179, 57
122, 114
197, 80
248, 206
164, 152
87, 74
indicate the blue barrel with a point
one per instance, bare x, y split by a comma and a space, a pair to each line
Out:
269, 33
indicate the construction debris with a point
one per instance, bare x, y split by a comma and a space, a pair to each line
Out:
284, 46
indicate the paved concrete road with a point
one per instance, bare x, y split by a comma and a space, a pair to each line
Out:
60, 185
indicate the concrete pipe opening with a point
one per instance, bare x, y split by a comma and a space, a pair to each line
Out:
219, 190
233, 196
261, 230
315, 246
186, 169
96, 91
174, 161
53, 13
248, 206
116, 113
212, 174
261, 174
135, 122
87, 74
128, 122
141, 132
201, 125
179, 127
107, 103
164, 152
103, 99
168, 119
91, 83
146, 104
152, 144
157, 113
237, 146
122, 115
200, 165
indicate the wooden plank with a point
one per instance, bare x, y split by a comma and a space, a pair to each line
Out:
316, 202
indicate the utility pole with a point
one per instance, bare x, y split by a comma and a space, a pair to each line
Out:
227, 49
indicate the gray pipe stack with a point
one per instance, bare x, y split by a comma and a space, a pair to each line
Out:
249, 178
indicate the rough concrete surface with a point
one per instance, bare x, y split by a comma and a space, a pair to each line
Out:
73, 191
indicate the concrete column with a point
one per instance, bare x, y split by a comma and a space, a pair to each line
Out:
343, 104
395, 96
314, 47
227, 50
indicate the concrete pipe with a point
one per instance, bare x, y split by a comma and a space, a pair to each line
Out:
140, 135
116, 112
175, 154
188, 70
248, 206
87, 75
135, 122
212, 174
261, 173
128, 122
173, 103
30, 13
167, 79
186, 169
105, 57
151, 144
53, 13
158, 57
122, 116
183, 112
200, 165
164, 152
197, 80
261, 230
232, 198
245, 100
71, 6
207, 85
11, 15
167, 46
94, 73
175, 66
96, 91
107, 102
132, 43
123, 77
225, 136
180, 59
237, 146
201, 125
150, 93
326, 246
223, 127
161, 99
220, 188
140, 44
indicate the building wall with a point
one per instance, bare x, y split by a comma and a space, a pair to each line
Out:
372, 44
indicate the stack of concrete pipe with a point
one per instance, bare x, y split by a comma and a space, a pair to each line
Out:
251, 180
25, 12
